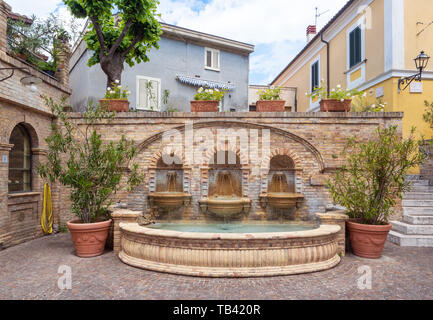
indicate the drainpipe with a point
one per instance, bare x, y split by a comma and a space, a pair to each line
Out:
327, 62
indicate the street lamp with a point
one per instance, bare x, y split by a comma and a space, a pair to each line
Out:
28, 81
421, 64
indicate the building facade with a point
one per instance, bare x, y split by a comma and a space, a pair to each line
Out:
370, 45
185, 61
25, 123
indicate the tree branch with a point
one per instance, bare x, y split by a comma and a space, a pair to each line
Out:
119, 40
100, 35
136, 40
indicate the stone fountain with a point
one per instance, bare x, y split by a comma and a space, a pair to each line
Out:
280, 195
226, 201
172, 197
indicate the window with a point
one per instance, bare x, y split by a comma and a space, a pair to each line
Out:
20, 159
355, 43
212, 59
148, 93
315, 76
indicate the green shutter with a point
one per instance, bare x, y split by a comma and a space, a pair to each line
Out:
355, 52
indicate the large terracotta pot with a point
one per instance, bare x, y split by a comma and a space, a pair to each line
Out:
335, 105
204, 106
118, 105
89, 238
367, 241
270, 105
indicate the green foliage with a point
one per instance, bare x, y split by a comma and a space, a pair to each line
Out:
361, 104
131, 32
165, 96
428, 116
374, 175
81, 160
42, 38
116, 91
270, 94
210, 94
338, 94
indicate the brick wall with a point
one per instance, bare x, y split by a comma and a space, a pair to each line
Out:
20, 213
312, 140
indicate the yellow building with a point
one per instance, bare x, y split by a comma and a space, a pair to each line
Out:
370, 45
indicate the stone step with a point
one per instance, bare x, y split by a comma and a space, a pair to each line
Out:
412, 229
422, 189
417, 210
418, 219
420, 183
410, 240
417, 203
418, 196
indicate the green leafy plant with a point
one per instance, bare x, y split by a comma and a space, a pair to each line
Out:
339, 93
210, 94
374, 175
428, 116
270, 94
127, 36
361, 104
81, 160
116, 91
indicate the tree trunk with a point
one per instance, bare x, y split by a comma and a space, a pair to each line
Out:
113, 68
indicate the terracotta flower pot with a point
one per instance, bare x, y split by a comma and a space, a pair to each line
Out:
118, 105
270, 105
204, 106
335, 105
367, 241
89, 238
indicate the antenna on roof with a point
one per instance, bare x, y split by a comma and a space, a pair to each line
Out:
318, 15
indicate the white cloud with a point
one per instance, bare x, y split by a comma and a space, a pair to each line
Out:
39, 8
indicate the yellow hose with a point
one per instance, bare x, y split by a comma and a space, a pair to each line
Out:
47, 212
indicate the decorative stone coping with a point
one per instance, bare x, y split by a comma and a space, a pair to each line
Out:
235, 115
23, 194
229, 255
339, 218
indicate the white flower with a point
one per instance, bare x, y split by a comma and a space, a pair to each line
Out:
128, 92
108, 89
373, 106
342, 100
119, 87
338, 86
216, 90
365, 94
333, 90
306, 93
200, 90
116, 81
211, 91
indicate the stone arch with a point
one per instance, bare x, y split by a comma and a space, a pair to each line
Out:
204, 124
34, 139
285, 152
153, 163
243, 159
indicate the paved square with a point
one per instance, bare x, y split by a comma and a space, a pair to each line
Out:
29, 271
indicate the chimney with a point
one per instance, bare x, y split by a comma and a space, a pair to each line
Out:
5, 10
311, 32
62, 73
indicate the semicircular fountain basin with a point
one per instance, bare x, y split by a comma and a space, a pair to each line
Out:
283, 200
225, 207
168, 200
235, 253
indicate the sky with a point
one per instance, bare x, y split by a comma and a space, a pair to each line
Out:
277, 28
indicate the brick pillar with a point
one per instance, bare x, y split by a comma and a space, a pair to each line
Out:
4, 190
62, 73
5, 9
337, 218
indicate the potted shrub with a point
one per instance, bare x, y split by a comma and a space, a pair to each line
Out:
338, 100
270, 100
207, 100
116, 98
369, 184
92, 170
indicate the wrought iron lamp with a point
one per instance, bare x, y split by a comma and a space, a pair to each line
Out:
421, 64
29, 81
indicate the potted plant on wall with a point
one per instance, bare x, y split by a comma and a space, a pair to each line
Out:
92, 170
270, 100
207, 100
369, 184
338, 100
116, 98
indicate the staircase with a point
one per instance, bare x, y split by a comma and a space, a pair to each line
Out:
416, 229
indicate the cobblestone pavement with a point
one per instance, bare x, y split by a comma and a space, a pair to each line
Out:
29, 271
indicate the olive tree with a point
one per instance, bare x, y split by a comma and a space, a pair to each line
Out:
125, 36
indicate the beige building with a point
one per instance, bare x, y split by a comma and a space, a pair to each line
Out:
287, 94
369, 45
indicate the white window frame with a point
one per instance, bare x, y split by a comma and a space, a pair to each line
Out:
138, 92
351, 85
212, 59
314, 106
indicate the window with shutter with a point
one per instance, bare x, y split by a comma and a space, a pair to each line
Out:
212, 59
355, 51
148, 93
315, 76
